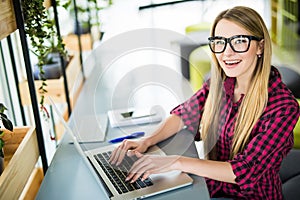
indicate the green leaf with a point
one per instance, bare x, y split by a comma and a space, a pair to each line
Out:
1, 143
6, 122
1, 133
66, 5
2, 108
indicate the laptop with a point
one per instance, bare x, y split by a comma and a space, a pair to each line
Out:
112, 178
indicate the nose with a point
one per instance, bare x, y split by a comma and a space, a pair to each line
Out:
228, 49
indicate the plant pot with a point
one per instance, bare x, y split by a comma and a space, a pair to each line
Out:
51, 71
83, 28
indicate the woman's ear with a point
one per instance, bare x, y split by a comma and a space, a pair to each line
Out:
261, 45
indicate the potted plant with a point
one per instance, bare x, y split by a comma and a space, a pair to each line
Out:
43, 37
80, 13
52, 68
7, 125
86, 13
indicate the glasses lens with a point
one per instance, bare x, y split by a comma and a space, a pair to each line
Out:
240, 44
217, 45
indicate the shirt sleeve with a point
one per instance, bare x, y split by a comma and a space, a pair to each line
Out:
191, 110
267, 149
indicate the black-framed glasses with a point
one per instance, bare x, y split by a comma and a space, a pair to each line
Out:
238, 43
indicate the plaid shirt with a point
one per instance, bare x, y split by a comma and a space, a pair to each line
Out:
257, 167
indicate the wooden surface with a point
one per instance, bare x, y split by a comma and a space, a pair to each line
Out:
33, 184
21, 165
12, 141
55, 87
71, 42
7, 18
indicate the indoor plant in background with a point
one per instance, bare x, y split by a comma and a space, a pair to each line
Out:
52, 65
40, 28
44, 42
7, 125
88, 17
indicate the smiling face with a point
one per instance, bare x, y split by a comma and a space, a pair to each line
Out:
239, 65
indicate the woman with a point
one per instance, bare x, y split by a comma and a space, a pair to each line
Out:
245, 113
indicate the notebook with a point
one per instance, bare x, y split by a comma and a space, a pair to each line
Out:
112, 178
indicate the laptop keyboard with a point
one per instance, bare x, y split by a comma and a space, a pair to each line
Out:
118, 174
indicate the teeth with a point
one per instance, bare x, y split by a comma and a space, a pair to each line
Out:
231, 62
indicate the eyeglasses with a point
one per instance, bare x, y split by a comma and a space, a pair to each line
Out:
238, 43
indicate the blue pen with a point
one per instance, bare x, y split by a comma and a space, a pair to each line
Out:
131, 136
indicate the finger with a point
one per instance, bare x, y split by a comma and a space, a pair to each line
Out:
138, 154
126, 145
118, 154
115, 155
139, 169
133, 170
131, 153
122, 154
146, 174
134, 152
132, 177
143, 173
135, 177
141, 162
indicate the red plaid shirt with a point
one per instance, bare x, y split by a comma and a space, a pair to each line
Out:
257, 167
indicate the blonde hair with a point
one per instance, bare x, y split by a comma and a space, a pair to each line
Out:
255, 99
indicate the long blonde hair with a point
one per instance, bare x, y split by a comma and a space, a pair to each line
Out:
255, 99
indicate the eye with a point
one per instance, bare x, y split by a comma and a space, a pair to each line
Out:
219, 42
240, 41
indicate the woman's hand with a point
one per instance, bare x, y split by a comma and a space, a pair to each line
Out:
124, 149
151, 164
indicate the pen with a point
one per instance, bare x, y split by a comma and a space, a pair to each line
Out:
131, 136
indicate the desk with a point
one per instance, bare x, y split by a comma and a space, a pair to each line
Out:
139, 73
